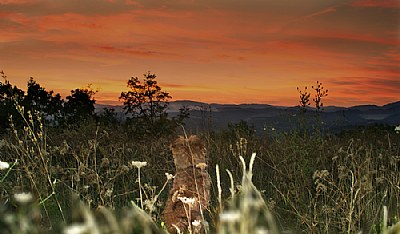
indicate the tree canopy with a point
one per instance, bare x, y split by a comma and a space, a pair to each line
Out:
49, 105
145, 100
146, 106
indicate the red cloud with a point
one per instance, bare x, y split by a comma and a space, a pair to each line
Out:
16, 2
377, 3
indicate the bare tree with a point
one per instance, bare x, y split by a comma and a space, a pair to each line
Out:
304, 99
319, 94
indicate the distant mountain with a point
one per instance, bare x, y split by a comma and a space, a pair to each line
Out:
395, 106
365, 107
263, 116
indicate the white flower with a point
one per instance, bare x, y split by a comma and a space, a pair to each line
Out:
76, 229
397, 129
169, 176
261, 230
229, 216
23, 197
196, 223
108, 192
187, 200
139, 164
202, 166
4, 165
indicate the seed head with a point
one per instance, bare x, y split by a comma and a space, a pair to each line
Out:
23, 197
139, 164
4, 165
186, 200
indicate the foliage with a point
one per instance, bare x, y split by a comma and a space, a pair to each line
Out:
8, 95
146, 105
147, 100
304, 99
108, 117
80, 105
311, 182
319, 94
37, 98
241, 130
50, 106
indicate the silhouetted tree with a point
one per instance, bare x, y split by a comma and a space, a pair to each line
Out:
319, 94
80, 105
108, 117
304, 99
47, 103
9, 95
243, 129
145, 100
147, 103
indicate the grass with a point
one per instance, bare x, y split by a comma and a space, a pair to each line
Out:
83, 180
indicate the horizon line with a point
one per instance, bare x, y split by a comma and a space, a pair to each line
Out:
266, 104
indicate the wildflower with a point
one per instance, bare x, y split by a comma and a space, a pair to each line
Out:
261, 230
187, 200
230, 216
202, 166
149, 204
169, 176
196, 223
23, 197
4, 165
108, 192
397, 129
76, 229
320, 174
139, 164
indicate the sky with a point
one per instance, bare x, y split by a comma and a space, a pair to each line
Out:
214, 51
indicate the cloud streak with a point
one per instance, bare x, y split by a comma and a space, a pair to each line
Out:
377, 3
212, 50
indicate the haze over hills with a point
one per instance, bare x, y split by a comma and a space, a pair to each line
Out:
266, 117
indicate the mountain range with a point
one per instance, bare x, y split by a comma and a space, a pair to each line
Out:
266, 117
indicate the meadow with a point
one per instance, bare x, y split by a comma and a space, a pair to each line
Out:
86, 179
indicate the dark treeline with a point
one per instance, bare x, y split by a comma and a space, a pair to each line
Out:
144, 104
312, 181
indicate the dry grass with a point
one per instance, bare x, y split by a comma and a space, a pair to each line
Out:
310, 182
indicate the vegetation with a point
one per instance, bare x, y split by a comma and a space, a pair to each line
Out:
146, 106
304, 97
91, 177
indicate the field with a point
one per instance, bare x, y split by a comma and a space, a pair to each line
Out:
98, 177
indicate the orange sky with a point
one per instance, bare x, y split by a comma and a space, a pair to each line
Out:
224, 51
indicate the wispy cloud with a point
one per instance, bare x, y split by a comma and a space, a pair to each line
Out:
211, 50
141, 52
377, 3
321, 12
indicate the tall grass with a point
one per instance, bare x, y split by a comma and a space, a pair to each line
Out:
296, 181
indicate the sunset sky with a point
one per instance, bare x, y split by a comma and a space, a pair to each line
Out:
215, 51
